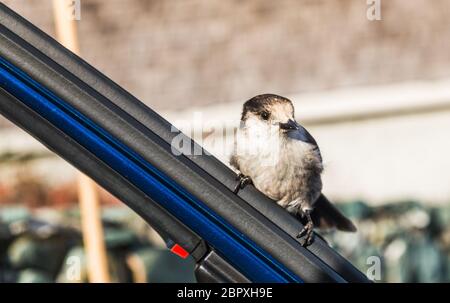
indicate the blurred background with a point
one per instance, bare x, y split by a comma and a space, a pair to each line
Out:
374, 93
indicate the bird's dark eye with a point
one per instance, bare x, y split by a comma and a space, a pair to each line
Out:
265, 115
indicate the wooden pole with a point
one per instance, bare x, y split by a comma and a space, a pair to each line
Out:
93, 238
92, 229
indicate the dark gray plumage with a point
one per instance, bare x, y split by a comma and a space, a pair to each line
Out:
282, 159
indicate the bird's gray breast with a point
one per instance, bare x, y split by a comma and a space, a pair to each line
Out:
286, 170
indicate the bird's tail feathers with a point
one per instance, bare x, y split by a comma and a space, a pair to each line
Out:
326, 216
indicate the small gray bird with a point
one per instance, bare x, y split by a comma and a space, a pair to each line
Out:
282, 160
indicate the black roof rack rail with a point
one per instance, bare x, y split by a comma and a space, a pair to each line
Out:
107, 133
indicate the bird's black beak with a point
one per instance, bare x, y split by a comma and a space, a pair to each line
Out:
290, 125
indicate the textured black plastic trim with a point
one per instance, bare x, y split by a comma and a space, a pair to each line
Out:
78, 156
213, 268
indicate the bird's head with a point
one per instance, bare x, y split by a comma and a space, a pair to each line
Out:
268, 120
268, 113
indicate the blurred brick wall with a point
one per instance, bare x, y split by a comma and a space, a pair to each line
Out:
173, 54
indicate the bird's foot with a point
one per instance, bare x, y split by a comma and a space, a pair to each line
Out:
243, 182
307, 231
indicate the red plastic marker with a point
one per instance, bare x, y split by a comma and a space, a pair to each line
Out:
180, 251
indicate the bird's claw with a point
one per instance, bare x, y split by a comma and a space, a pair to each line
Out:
307, 232
243, 182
